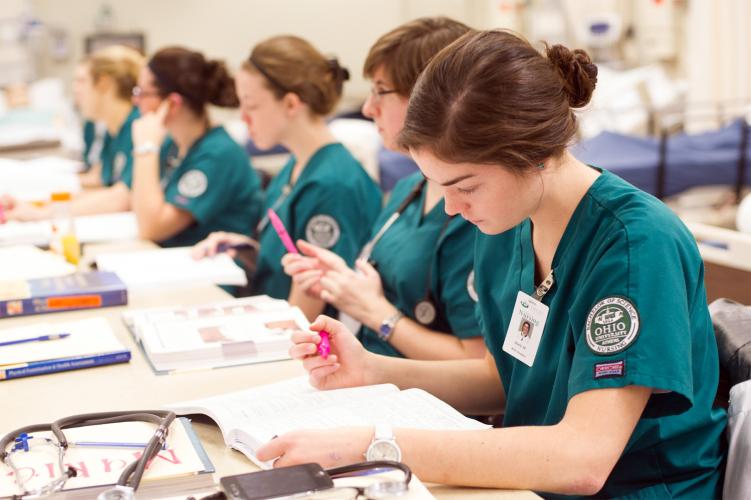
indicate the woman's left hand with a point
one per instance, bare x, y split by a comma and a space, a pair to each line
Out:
150, 127
330, 447
357, 293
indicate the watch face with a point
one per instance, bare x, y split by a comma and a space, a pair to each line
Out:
383, 450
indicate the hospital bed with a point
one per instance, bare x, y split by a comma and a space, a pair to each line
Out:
667, 163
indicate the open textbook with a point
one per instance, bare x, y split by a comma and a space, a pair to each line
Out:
182, 466
232, 332
250, 418
167, 267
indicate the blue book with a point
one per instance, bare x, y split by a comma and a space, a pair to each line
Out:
63, 364
64, 293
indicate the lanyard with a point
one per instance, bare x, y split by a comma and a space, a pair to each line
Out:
367, 250
545, 286
286, 190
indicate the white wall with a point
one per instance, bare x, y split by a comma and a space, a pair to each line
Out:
227, 29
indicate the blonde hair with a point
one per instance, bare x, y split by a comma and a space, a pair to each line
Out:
291, 64
120, 63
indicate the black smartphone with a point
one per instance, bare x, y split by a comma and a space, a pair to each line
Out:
275, 483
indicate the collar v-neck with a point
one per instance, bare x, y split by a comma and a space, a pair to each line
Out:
527, 278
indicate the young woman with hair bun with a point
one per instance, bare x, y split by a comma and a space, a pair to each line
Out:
190, 178
287, 88
613, 393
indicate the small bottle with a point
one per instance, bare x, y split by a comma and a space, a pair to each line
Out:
63, 240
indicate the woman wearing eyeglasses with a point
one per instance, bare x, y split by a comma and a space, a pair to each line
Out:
190, 177
412, 287
103, 93
612, 395
323, 195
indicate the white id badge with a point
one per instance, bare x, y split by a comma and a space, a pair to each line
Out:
525, 331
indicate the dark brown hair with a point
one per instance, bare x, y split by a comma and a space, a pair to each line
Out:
492, 98
405, 51
291, 64
198, 80
120, 63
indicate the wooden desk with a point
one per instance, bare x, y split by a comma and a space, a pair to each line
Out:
135, 386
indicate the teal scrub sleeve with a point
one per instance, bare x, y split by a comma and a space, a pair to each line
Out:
454, 267
631, 322
331, 218
201, 190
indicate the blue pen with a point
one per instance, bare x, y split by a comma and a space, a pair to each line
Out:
223, 247
42, 338
112, 444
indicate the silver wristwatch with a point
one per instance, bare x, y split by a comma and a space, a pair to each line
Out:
146, 148
387, 326
383, 446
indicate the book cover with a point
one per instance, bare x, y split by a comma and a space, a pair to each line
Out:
63, 364
63, 293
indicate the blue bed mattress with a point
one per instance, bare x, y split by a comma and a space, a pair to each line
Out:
709, 158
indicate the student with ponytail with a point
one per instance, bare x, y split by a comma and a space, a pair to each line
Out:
190, 177
287, 88
591, 301
103, 90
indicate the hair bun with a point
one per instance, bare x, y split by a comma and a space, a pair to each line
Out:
220, 86
340, 73
577, 72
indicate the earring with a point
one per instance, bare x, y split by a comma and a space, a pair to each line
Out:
541, 165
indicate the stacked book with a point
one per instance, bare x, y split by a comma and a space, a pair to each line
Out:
240, 331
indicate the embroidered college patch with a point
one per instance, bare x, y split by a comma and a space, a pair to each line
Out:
192, 184
609, 370
612, 325
322, 230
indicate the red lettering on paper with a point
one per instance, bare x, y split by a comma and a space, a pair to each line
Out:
108, 464
174, 460
82, 470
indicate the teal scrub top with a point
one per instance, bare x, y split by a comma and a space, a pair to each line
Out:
333, 204
420, 253
117, 154
628, 307
215, 183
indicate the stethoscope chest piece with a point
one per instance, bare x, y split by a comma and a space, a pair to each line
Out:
425, 312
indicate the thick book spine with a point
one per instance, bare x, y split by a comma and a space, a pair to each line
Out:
62, 302
64, 364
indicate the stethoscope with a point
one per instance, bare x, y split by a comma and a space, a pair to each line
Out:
130, 478
425, 311
174, 160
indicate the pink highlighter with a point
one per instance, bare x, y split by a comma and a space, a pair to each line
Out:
276, 223
324, 347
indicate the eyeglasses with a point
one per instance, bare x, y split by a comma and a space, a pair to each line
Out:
140, 92
377, 94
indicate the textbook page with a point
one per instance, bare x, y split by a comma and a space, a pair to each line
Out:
26, 262
171, 267
251, 418
87, 337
